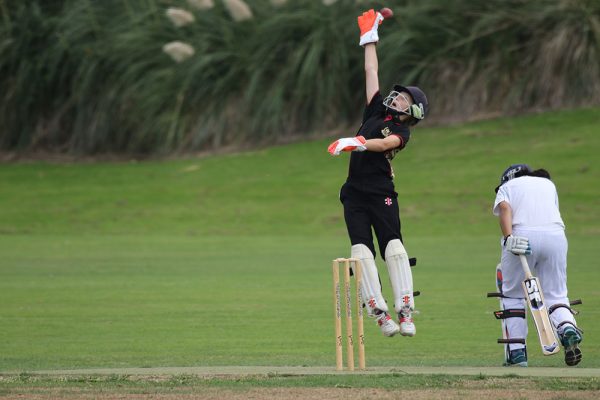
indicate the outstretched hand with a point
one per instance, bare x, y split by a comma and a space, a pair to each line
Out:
356, 143
368, 23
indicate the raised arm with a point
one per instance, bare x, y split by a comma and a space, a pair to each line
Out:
368, 24
371, 71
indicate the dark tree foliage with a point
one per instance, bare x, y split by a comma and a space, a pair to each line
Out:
90, 77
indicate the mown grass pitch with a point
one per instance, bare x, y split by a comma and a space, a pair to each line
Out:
226, 260
386, 386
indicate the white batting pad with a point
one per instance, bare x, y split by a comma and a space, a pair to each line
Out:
398, 267
371, 288
514, 327
561, 314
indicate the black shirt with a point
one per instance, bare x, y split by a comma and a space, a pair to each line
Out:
375, 167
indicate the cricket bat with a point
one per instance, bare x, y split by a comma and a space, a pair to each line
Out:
537, 305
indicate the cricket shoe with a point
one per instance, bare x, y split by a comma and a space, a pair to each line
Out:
517, 358
407, 326
570, 339
387, 325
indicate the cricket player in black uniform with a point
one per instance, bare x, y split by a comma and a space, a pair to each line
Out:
369, 196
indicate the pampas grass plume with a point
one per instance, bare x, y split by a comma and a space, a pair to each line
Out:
179, 17
238, 9
178, 51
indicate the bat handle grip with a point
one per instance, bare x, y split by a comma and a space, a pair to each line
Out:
525, 266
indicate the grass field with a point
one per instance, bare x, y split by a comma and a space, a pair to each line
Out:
226, 260
390, 386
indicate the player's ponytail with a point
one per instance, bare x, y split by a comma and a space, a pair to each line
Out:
540, 173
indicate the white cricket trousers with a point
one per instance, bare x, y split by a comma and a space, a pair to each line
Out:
548, 261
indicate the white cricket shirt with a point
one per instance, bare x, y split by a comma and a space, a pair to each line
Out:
534, 203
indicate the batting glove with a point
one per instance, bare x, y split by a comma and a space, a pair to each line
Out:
368, 23
517, 244
356, 143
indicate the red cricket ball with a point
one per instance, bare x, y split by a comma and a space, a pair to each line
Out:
386, 12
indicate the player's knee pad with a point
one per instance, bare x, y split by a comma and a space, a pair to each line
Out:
510, 303
400, 274
370, 285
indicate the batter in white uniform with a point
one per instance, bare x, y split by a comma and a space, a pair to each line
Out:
527, 206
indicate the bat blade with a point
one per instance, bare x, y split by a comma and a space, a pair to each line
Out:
539, 312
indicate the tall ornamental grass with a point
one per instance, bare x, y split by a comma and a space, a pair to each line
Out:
92, 77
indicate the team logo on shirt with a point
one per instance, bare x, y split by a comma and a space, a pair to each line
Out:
386, 131
388, 201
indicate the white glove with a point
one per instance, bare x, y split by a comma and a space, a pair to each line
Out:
368, 23
517, 245
356, 143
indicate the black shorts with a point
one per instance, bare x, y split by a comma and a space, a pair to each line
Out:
364, 209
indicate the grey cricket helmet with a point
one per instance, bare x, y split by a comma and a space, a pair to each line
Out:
514, 171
